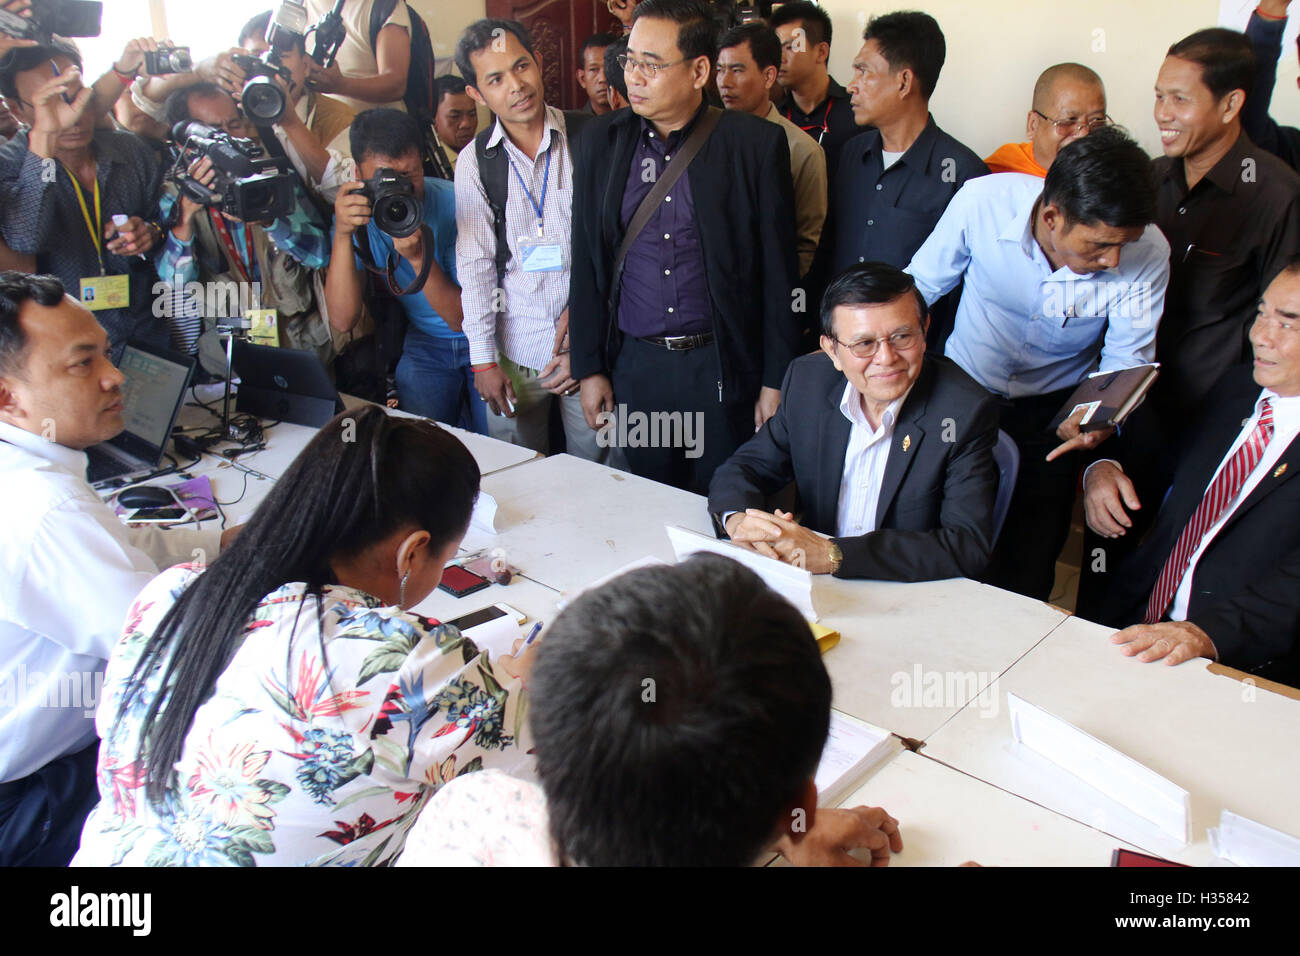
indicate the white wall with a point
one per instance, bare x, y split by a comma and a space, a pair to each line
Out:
996, 49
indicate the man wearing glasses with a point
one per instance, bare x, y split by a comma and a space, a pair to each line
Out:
1069, 102
1219, 574
703, 317
891, 449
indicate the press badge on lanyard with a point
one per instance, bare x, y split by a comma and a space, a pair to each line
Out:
102, 291
537, 253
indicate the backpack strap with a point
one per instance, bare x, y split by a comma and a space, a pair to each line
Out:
493, 171
379, 14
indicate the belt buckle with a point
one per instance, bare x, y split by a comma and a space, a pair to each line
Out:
679, 343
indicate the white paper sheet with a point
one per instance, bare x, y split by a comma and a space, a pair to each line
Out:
853, 747
794, 584
1117, 775
484, 517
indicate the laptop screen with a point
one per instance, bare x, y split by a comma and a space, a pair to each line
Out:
154, 387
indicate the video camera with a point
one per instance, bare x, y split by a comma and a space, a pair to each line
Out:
248, 186
393, 206
261, 98
67, 18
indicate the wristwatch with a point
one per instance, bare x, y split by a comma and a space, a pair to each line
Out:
836, 556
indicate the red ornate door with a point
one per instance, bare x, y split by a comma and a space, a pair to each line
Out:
558, 28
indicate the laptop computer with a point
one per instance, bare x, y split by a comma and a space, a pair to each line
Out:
151, 397
287, 385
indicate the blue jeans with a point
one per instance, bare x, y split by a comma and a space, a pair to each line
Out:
434, 381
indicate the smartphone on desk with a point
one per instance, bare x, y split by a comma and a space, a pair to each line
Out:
483, 615
164, 515
458, 582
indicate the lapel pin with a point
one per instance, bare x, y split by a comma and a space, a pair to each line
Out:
1281, 470
907, 442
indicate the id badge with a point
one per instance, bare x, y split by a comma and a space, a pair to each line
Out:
106, 292
262, 328
540, 255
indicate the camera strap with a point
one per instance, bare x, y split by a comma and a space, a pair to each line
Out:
389, 272
244, 267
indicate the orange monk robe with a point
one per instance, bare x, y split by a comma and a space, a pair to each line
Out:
1015, 158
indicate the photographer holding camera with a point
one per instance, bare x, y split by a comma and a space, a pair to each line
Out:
209, 245
81, 200
312, 128
372, 64
406, 224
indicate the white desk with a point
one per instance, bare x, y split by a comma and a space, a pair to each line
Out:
565, 521
912, 655
947, 818
1230, 745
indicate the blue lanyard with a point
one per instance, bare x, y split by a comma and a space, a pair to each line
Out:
546, 179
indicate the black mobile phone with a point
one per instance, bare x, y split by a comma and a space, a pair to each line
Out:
458, 582
167, 513
475, 618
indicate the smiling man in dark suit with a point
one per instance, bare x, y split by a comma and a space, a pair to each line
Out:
891, 450
700, 317
1219, 574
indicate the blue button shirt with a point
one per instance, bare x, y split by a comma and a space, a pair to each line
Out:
1024, 327
440, 217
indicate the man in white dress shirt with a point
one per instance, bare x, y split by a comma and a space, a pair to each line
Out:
69, 568
1218, 575
1061, 277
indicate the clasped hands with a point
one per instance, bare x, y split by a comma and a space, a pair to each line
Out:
778, 535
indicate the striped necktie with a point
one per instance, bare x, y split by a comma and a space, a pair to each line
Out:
1221, 494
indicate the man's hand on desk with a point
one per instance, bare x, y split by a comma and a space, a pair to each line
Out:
780, 536
1073, 438
229, 535
1170, 641
835, 832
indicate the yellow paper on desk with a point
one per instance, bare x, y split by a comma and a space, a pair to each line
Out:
826, 638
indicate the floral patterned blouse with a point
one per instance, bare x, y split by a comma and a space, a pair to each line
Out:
319, 745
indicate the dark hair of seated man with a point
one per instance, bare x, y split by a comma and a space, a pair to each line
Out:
679, 714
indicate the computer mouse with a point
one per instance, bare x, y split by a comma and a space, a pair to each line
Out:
146, 496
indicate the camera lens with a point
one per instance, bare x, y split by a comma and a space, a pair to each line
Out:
180, 62
398, 216
263, 101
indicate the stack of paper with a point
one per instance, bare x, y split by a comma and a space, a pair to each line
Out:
853, 749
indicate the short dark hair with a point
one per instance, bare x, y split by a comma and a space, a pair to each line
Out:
445, 86
21, 59
613, 72
177, 107
256, 27
1226, 59
697, 24
385, 132
913, 41
17, 288
869, 283
479, 34
677, 712
597, 41
764, 44
816, 21
1102, 178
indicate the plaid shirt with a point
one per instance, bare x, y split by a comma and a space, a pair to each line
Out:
40, 215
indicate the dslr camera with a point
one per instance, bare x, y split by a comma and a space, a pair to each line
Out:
67, 18
168, 59
393, 206
248, 186
263, 101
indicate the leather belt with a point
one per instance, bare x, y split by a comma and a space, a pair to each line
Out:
679, 343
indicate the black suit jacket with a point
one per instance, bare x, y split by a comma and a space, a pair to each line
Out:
1246, 587
935, 516
744, 211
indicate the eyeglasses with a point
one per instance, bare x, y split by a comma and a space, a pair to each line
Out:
1067, 126
898, 342
644, 67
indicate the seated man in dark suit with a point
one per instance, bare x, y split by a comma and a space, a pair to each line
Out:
892, 450
1219, 574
